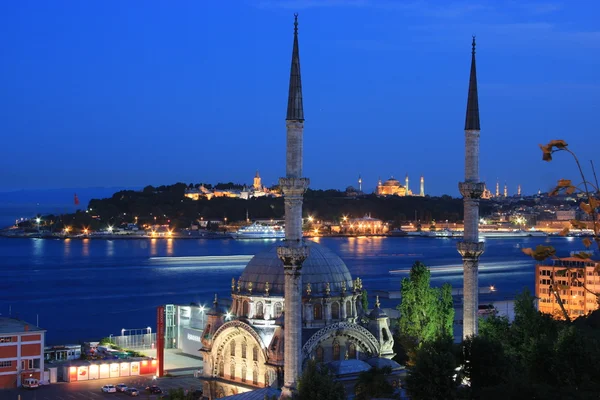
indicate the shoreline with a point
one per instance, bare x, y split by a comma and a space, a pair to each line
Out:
174, 237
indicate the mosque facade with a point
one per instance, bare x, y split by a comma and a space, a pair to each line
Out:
294, 302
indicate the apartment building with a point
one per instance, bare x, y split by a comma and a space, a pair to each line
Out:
21, 352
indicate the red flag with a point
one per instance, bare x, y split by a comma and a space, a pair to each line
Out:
76, 200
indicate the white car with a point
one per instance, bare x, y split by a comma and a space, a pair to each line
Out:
109, 389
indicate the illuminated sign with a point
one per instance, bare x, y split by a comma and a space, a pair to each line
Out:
194, 338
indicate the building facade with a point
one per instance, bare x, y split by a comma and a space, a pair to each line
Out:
21, 352
576, 286
392, 187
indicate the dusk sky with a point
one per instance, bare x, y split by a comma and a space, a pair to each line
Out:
131, 93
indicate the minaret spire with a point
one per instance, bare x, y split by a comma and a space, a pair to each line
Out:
295, 110
472, 118
471, 189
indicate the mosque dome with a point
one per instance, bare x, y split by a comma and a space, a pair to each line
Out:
392, 182
322, 266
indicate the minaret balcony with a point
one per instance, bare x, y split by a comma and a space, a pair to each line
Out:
293, 187
470, 249
471, 190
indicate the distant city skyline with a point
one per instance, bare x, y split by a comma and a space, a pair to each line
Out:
110, 94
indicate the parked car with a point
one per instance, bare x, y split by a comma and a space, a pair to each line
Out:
133, 392
30, 383
109, 389
121, 387
154, 389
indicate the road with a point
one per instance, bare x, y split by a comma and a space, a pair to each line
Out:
90, 390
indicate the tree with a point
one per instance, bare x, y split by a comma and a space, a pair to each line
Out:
373, 384
426, 313
317, 382
365, 301
432, 375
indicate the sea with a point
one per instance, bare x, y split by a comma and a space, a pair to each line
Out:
81, 290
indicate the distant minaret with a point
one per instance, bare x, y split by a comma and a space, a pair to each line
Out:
294, 251
519, 191
359, 183
406, 184
422, 186
505, 190
257, 182
471, 189
539, 192
497, 188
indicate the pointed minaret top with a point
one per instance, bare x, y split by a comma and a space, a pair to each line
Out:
472, 119
295, 110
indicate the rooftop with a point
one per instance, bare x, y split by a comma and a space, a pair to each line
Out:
13, 325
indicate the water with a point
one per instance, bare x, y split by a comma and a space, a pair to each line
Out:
88, 289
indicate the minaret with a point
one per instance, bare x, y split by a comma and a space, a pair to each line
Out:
497, 188
422, 186
359, 183
471, 189
519, 190
406, 185
505, 190
294, 251
257, 184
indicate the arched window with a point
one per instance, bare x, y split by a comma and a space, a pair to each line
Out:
348, 309
260, 312
255, 353
243, 349
336, 351
221, 369
255, 376
244, 373
385, 335
319, 354
245, 308
278, 309
232, 348
335, 310
275, 343
318, 311
352, 351
232, 370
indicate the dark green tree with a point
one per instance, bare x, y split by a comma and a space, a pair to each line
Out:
317, 383
373, 384
432, 375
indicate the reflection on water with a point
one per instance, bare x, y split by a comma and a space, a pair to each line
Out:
110, 248
85, 249
153, 251
38, 247
169, 247
67, 247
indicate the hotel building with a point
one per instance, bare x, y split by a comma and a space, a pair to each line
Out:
21, 352
576, 287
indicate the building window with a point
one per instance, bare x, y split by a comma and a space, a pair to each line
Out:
245, 308
278, 309
335, 310
5, 339
348, 309
318, 312
385, 335
244, 373
319, 354
336, 351
232, 348
255, 353
243, 349
352, 351
232, 371
5, 364
255, 376
260, 312
221, 369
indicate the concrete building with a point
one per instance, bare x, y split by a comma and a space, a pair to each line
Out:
471, 189
576, 286
255, 344
21, 352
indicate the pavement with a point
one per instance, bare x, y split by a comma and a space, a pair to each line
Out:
90, 390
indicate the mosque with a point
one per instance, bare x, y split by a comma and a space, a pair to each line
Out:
393, 187
293, 302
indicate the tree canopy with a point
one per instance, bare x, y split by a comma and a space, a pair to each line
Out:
317, 383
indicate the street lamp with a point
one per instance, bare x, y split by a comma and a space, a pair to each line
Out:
149, 330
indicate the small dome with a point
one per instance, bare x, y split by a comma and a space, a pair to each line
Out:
322, 266
348, 367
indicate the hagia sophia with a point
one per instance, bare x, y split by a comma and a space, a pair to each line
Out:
393, 187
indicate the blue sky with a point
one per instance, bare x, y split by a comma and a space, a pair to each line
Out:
115, 93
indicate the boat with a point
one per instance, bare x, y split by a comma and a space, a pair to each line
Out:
397, 232
511, 234
259, 231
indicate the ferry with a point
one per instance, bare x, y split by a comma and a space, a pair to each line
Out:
259, 231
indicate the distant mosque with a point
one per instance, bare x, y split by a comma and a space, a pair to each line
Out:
393, 187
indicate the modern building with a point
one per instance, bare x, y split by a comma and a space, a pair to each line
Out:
21, 352
576, 284
255, 344
62, 352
